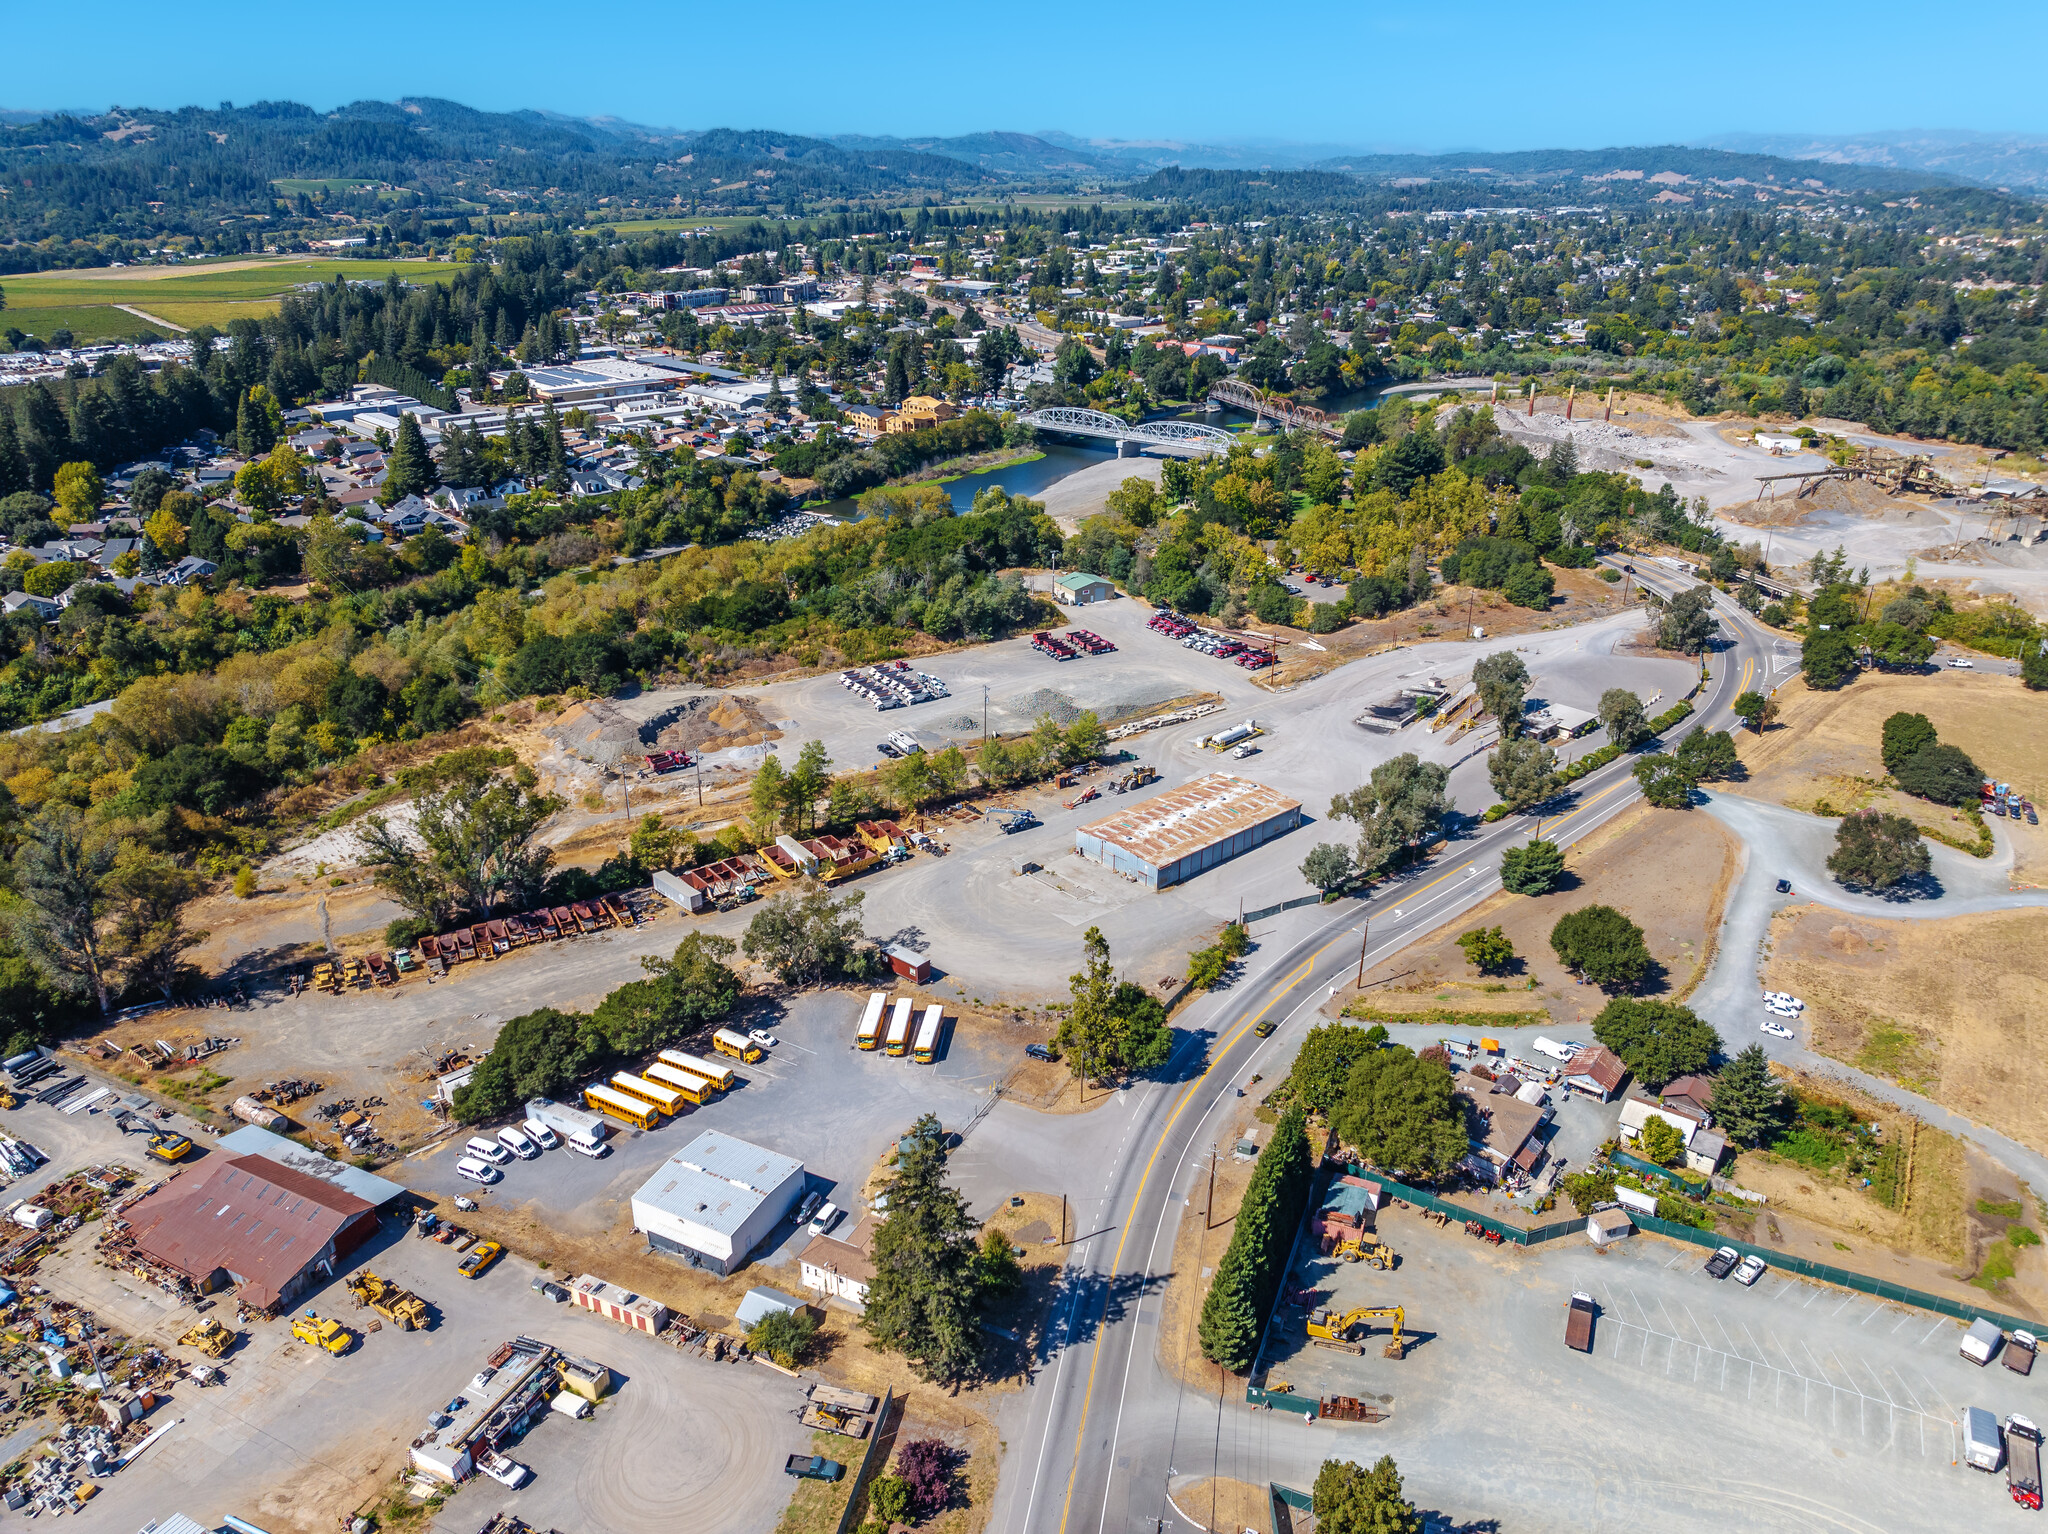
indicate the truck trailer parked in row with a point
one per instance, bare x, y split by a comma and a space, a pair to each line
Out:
2023, 1461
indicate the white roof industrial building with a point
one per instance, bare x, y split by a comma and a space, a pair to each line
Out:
1173, 836
716, 1199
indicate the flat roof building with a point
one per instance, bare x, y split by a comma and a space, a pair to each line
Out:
1171, 837
716, 1199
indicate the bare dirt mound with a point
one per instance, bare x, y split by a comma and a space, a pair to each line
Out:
713, 722
605, 731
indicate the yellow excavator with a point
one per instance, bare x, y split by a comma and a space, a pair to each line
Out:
1331, 1329
1367, 1247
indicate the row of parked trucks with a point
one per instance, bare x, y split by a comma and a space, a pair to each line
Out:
1222, 646
1070, 646
2004, 799
484, 940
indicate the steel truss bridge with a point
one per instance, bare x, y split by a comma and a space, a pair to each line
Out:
1172, 436
1240, 395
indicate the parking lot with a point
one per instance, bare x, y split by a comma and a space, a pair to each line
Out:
1822, 1408
814, 1096
296, 1437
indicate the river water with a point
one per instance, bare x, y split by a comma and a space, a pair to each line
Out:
1029, 479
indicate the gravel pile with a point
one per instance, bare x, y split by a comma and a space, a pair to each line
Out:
959, 723
1044, 700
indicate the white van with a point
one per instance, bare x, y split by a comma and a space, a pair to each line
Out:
589, 1145
488, 1150
518, 1144
824, 1219
1552, 1048
540, 1134
477, 1171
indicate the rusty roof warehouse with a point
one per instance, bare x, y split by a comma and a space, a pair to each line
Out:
249, 1221
1173, 836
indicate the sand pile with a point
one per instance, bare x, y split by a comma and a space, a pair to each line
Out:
712, 722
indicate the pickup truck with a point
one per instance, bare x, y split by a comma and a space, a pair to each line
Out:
2020, 1348
1722, 1262
813, 1467
1578, 1323
2023, 1462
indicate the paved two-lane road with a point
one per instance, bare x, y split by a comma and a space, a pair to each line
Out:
1101, 1424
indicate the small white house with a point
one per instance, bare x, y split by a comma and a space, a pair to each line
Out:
1635, 1113
1778, 444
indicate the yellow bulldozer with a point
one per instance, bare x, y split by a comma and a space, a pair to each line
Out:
1368, 1248
210, 1337
401, 1307
1332, 1329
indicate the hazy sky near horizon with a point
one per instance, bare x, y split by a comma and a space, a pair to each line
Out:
1487, 75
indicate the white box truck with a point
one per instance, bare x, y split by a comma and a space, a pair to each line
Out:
1983, 1443
572, 1124
1981, 1341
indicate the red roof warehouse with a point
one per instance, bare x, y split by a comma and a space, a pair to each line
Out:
246, 1220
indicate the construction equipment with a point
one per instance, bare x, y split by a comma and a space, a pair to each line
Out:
1092, 791
401, 1307
330, 1335
167, 1146
1894, 473
1013, 820
1328, 1329
1367, 1247
1137, 777
210, 1337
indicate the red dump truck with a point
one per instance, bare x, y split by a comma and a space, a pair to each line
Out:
1578, 1323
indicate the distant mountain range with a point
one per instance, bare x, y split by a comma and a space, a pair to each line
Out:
2017, 160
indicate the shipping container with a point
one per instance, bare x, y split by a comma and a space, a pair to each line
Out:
870, 1032
717, 1072
738, 1045
898, 1041
627, 1110
925, 1050
565, 1120
669, 1099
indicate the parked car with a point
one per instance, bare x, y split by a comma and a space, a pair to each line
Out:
763, 1037
1784, 886
1960, 663
480, 1257
509, 1471
1751, 1270
809, 1206
540, 1134
477, 1171
1038, 1051
1723, 1262
1775, 1030
824, 1219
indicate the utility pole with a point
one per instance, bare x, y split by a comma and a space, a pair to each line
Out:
1364, 931
1209, 1205
699, 765
984, 711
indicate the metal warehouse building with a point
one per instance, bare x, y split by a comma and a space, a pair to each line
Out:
1173, 836
716, 1199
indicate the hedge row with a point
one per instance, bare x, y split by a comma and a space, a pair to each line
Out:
1593, 761
1249, 1275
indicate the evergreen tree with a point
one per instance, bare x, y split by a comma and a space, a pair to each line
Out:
45, 434
1531, 869
1746, 1100
410, 469
926, 1290
556, 451
14, 470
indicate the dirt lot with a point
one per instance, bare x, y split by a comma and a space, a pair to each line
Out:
1949, 1237
1825, 747
1885, 996
1220, 1504
1668, 870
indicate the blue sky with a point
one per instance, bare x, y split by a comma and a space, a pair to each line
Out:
1480, 75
